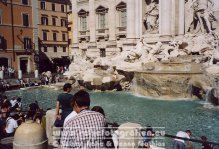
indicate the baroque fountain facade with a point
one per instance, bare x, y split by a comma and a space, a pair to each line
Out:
177, 56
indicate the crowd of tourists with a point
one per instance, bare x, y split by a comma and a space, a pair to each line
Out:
12, 114
85, 125
8, 71
4, 84
61, 69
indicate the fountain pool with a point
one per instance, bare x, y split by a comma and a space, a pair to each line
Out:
123, 107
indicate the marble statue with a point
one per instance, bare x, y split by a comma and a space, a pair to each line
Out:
151, 17
215, 54
202, 16
189, 13
133, 54
152, 50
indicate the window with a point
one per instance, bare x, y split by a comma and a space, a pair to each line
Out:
55, 49
2, 42
27, 43
62, 8
83, 23
25, 20
54, 36
25, 2
53, 7
53, 21
64, 49
63, 22
123, 19
70, 7
0, 16
44, 20
45, 35
63, 37
102, 52
69, 28
83, 19
45, 49
121, 8
101, 12
69, 41
43, 5
101, 21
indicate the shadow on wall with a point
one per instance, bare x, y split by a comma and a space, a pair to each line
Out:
45, 64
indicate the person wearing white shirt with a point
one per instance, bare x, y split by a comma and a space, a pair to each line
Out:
11, 125
70, 116
13, 101
180, 143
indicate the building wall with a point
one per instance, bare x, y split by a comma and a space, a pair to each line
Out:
14, 33
70, 29
50, 28
113, 38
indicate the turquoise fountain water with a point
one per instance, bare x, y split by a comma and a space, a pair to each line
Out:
124, 107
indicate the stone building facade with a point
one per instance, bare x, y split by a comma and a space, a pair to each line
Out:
17, 48
104, 27
53, 33
100, 27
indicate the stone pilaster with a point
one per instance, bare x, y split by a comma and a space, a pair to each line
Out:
138, 12
92, 22
112, 20
181, 16
165, 17
131, 19
171, 17
75, 23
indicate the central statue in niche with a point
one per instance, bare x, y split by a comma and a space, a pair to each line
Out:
199, 16
151, 17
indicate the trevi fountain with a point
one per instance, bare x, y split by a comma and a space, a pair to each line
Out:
166, 67
181, 71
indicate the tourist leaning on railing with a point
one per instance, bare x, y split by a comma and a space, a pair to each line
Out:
179, 143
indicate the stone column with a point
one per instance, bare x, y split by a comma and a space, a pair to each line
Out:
28, 65
19, 74
178, 20
138, 17
36, 74
112, 20
142, 6
131, 15
75, 23
92, 22
181, 16
171, 17
165, 17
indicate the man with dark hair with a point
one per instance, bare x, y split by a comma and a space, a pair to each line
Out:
179, 143
64, 102
33, 108
86, 129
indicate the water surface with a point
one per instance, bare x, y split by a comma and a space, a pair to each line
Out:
124, 107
